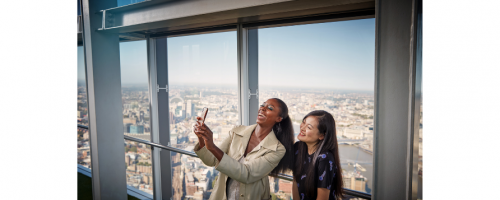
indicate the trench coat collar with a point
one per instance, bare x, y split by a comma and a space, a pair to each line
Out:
269, 142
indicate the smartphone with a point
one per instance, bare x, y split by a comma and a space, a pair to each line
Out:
204, 114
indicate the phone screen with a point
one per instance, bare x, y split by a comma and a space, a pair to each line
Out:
204, 114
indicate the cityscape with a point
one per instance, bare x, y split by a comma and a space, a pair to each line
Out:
353, 112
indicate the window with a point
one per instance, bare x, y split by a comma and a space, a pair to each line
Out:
202, 72
135, 94
136, 120
139, 166
325, 66
83, 134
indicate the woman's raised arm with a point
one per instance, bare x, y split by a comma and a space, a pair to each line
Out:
206, 156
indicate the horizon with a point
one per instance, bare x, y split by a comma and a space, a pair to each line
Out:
324, 56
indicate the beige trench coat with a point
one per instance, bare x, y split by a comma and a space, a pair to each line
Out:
253, 175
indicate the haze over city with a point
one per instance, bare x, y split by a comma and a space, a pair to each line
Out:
326, 66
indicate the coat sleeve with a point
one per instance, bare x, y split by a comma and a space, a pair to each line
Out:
207, 157
254, 170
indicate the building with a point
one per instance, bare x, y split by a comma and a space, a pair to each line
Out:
141, 116
352, 133
285, 186
126, 127
155, 23
137, 129
171, 117
190, 112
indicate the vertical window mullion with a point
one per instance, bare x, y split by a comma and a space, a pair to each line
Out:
153, 107
161, 63
242, 75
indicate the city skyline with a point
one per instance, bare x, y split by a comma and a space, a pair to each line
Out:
353, 113
330, 67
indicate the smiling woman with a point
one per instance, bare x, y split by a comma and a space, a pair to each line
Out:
328, 66
317, 159
250, 153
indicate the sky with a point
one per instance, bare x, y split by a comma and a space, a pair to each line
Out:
333, 55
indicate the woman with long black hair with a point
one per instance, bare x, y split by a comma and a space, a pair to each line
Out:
317, 172
249, 154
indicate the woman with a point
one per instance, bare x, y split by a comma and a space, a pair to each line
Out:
317, 173
246, 157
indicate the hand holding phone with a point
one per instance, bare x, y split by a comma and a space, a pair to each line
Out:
203, 115
201, 121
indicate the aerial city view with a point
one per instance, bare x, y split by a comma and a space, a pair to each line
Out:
331, 69
353, 113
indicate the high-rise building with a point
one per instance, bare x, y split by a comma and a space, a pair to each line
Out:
189, 108
183, 113
172, 120
178, 111
137, 129
126, 127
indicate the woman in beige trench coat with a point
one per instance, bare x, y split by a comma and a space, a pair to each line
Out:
249, 154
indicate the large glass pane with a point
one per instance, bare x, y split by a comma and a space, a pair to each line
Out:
135, 99
202, 72
325, 66
83, 141
135, 94
139, 166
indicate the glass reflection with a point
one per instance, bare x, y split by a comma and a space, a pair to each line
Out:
202, 72
328, 66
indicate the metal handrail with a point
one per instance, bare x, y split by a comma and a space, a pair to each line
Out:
189, 153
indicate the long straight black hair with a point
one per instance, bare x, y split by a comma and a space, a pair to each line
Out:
284, 132
327, 127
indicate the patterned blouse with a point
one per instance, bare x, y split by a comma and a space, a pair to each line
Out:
325, 174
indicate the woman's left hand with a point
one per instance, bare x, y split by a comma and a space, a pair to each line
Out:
205, 132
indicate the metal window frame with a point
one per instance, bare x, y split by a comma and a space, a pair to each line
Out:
243, 88
153, 112
103, 80
385, 11
395, 145
416, 101
160, 74
247, 48
252, 49
314, 19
